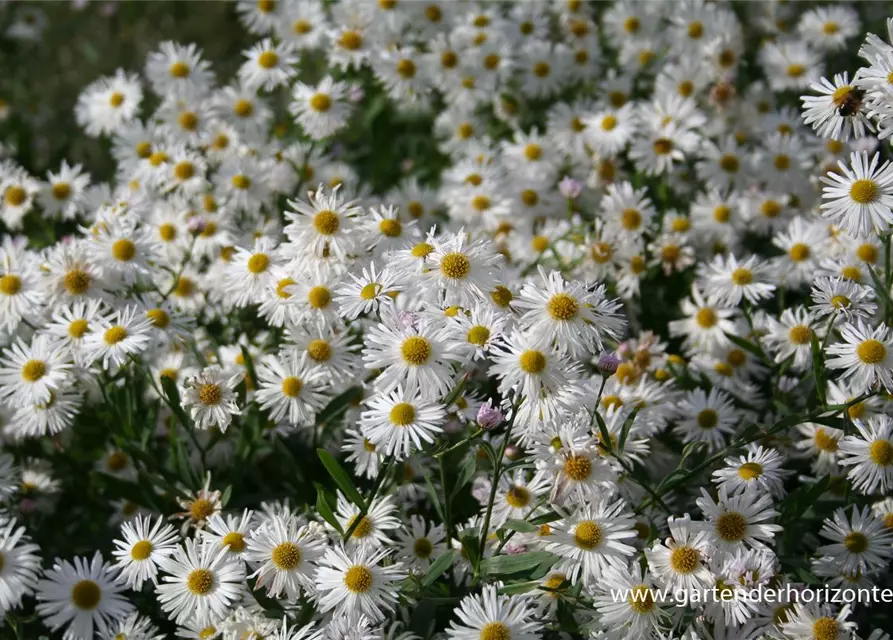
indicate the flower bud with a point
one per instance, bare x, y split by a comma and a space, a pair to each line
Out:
570, 188
489, 417
608, 363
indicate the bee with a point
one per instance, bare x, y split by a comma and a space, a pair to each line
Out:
851, 103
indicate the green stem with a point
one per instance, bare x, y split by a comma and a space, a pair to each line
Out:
364, 511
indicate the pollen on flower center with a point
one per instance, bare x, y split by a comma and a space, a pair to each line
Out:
662, 146
742, 276
76, 282
750, 470
326, 222
577, 467
319, 350
641, 599
291, 386
864, 191
871, 351
415, 350
200, 581
422, 548
159, 317
856, 542
799, 252
16, 195
258, 263
825, 442
685, 559
881, 453
706, 318
179, 69
78, 328
351, 40
517, 497
402, 414
235, 541
85, 595
825, 628
729, 163
10, 284
532, 361
320, 102
455, 265
358, 579
123, 250
268, 59
501, 296
478, 335
210, 394
731, 526
114, 335
800, 334
241, 182
286, 556
141, 550
630, 219
587, 534
707, 419
319, 297
406, 68
563, 307
201, 509
495, 631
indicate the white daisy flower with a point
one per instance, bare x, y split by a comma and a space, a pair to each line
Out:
865, 355
210, 398
141, 546
355, 581
30, 374
284, 555
489, 616
860, 199
398, 423
204, 581
869, 454
82, 597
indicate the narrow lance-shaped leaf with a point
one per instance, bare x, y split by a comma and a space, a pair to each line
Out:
443, 562
341, 478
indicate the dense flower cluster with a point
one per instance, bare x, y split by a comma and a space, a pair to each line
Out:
626, 332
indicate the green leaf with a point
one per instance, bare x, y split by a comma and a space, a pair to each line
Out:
603, 430
502, 565
324, 507
227, 494
472, 547
249, 363
339, 475
172, 397
880, 289
450, 398
521, 526
624, 431
818, 368
443, 562
466, 472
435, 498
519, 587
338, 405
747, 345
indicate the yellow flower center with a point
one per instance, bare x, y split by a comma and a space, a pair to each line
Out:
85, 595
501, 296
76, 282
402, 414
319, 297
241, 182
517, 497
641, 599
286, 556
61, 191
708, 419
15, 196
179, 69
881, 453
114, 335
855, 542
742, 276
800, 334
825, 628
10, 284
200, 581
455, 265
291, 386
358, 579
123, 250
562, 307
533, 152
235, 541
258, 263
685, 559
587, 535
799, 252
750, 471
78, 328
326, 222
422, 548
415, 350
319, 350
630, 219
532, 361
141, 550
188, 120
731, 526
480, 202
351, 40
864, 191
795, 70
662, 146
495, 631
201, 509
268, 59
871, 351
478, 335
577, 467
210, 394
320, 102
729, 163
